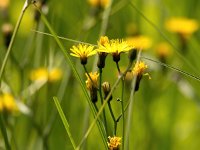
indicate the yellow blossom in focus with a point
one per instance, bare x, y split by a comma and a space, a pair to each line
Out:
139, 69
99, 3
55, 74
94, 83
113, 46
114, 143
183, 26
7, 103
40, 74
140, 42
43, 74
163, 49
4, 3
83, 52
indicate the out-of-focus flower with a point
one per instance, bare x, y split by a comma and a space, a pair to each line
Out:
7, 103
99, 3
182, 26
114, 143
83, 52
39, 74
43, 74
4, 3
7, 30
163, 50
140, 42
55, 74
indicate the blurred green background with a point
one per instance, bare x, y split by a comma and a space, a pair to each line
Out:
166, 109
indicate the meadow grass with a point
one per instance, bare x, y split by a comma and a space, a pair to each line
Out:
143, 98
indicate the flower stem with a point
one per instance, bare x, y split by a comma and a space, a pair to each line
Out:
113, 117
101, 97
123, 118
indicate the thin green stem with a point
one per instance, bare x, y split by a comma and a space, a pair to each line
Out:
26, 4
101, 97
118, 68
113, 117
123, 118
4, 132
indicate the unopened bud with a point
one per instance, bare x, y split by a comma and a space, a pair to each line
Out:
106, 89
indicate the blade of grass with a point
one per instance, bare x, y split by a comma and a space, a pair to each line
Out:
64, 121
26, 4
4, 133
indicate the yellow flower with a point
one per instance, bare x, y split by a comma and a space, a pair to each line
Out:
163, 50
114, 142
40, 74
140, 42
94, 83
83, 52
99, 3
183, 26
7, 103
55, 74
139, 68
4, 3
43, 74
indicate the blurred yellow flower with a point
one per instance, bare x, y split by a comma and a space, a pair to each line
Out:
114, 143
55, 74
39, 74
139, 69
7, 103
94, 83
99, 3
43, 74
183, 26
163, 49
4, 3
83, 52
140, 42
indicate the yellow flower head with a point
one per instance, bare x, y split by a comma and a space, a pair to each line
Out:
83, 52
55, 74
4, 3
40, 74
140, 42
163, 49
139, 68
7, 103
183, 26
99, 3
114, 142
94, 83
113, 46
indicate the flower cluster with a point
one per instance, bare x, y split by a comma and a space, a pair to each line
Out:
114, 143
